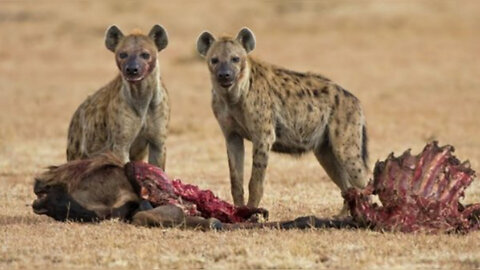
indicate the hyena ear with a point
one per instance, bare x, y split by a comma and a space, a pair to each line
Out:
159, 36
247, 39
113, 37
205, 40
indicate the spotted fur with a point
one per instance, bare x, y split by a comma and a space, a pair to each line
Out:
130, 115
284, 111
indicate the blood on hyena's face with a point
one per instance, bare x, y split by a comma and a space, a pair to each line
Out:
136, 57
136, 54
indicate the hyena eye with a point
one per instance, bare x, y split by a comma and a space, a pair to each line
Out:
214, 60
235, 59
123, 55
145, 55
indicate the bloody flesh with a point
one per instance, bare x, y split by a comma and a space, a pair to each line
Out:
417, 193
155, 186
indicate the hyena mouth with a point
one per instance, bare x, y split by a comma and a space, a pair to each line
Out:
133, 78
226, 84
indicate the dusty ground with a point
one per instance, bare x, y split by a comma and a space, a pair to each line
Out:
415, 65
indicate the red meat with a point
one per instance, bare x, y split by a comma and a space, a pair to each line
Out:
155, 186
418, 193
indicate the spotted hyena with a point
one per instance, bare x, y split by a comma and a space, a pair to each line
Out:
131, 113
284, 111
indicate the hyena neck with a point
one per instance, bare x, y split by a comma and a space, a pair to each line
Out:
140, 94
237, 92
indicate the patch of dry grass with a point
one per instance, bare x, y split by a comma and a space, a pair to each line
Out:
413, 64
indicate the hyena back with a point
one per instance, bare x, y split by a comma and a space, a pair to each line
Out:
284, 111
130, 115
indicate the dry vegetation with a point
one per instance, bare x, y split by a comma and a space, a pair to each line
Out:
415, 65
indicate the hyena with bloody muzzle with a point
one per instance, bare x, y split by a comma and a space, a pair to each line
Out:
130, 115
284, 111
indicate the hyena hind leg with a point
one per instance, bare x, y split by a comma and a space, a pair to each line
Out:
350, 151
332, 166
334, 170
345, 164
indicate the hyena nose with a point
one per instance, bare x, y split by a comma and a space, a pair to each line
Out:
225, 75
132, 70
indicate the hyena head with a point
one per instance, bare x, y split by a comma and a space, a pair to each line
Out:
136, 54
226, 57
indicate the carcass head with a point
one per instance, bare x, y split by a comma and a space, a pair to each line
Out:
85, 190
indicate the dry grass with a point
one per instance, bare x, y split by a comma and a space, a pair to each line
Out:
413, 64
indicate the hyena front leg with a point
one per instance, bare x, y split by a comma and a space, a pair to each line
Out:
157, 153
121, 148
261, 150
236, 153
157, 150
123, 131
139, 148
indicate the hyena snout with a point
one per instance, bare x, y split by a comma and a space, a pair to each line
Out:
225, 76
134, 70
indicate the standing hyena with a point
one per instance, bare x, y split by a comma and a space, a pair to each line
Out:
131, 113
284, 111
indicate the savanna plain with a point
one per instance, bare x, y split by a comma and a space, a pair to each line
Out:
414, 65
